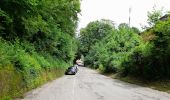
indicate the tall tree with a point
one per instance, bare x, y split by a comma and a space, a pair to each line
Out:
94, 32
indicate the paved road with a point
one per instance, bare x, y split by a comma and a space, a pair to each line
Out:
87, 84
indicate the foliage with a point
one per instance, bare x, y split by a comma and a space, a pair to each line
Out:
111, 51
151, 59
121, 49
27, 66
145, 56
136, 30
137, 62
154, 16
162, 47
29, 21
36, 37
93, 33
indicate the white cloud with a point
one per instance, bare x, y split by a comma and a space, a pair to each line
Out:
117, 10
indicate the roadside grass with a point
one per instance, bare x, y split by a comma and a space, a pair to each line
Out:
161, 85
23, 69
11, 83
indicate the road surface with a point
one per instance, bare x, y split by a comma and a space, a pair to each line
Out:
87, 84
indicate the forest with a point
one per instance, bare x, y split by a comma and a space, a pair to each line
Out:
37, 40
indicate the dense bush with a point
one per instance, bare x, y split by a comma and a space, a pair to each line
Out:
137, 62
151, 59
28, 66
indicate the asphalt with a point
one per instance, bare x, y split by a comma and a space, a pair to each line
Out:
87, 84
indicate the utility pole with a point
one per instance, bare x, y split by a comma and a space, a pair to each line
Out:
130, 9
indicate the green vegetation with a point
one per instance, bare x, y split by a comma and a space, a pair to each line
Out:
126, 51
37, 40
112, 48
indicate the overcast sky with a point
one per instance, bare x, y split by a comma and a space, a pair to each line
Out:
118, 11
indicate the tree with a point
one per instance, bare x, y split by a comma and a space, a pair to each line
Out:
136, 30
110, 51
154, 16
41, 22
94, 32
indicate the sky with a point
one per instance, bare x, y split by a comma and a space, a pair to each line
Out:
118, 11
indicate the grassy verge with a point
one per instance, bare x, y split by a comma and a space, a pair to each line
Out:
22, 68
12, 83
161, 85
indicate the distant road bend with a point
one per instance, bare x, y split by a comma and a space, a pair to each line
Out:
87, 84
